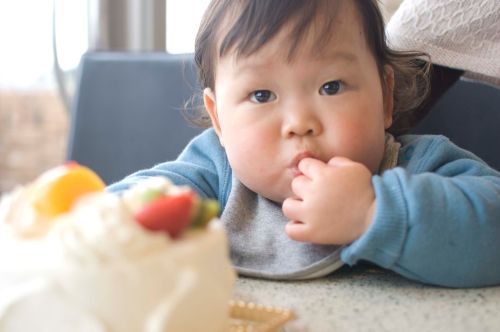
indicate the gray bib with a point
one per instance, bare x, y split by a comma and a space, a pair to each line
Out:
259, 245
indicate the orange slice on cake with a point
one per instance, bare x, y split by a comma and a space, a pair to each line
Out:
56, 190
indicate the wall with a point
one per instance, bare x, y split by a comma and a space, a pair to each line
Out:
33, 135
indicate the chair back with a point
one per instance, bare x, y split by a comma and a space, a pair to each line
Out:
469, 114
127, 112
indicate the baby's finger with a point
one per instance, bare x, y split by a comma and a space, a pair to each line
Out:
292, 208
297, 231
300, 184
310, 166
340, 161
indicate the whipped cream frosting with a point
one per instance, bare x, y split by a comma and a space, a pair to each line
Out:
18, 215
96, 269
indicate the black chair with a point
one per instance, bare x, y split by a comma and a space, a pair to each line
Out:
127, 112
469, 114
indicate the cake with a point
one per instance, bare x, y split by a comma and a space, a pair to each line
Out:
76, 258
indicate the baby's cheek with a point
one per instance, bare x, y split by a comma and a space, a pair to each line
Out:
243, 164
261, 177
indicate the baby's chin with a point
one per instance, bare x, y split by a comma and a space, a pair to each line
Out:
274, 196
275, 188
277, 197
278, 200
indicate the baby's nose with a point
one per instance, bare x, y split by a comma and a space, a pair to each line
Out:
302, 122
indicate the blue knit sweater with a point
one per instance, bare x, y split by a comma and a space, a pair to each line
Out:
437, 218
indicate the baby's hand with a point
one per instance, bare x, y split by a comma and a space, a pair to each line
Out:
334, 202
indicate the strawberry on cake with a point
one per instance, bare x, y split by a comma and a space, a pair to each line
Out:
75, 258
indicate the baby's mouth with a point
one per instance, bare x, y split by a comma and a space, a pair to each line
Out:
294, 165
296, 172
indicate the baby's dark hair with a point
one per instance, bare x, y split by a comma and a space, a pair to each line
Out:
243, 26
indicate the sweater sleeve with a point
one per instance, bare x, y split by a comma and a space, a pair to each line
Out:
202, 165
437, 220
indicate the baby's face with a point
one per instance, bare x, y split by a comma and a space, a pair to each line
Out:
269, 113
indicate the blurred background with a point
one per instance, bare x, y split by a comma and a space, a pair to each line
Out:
42, 42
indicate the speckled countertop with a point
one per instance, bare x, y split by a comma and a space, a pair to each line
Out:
366, 298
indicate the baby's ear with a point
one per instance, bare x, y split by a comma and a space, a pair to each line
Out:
388, 95
211, 107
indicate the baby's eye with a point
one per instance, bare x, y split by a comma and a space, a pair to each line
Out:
331, 88
262, 96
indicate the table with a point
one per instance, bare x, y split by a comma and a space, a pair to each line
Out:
367, 298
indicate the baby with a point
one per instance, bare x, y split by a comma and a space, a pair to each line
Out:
300, 96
